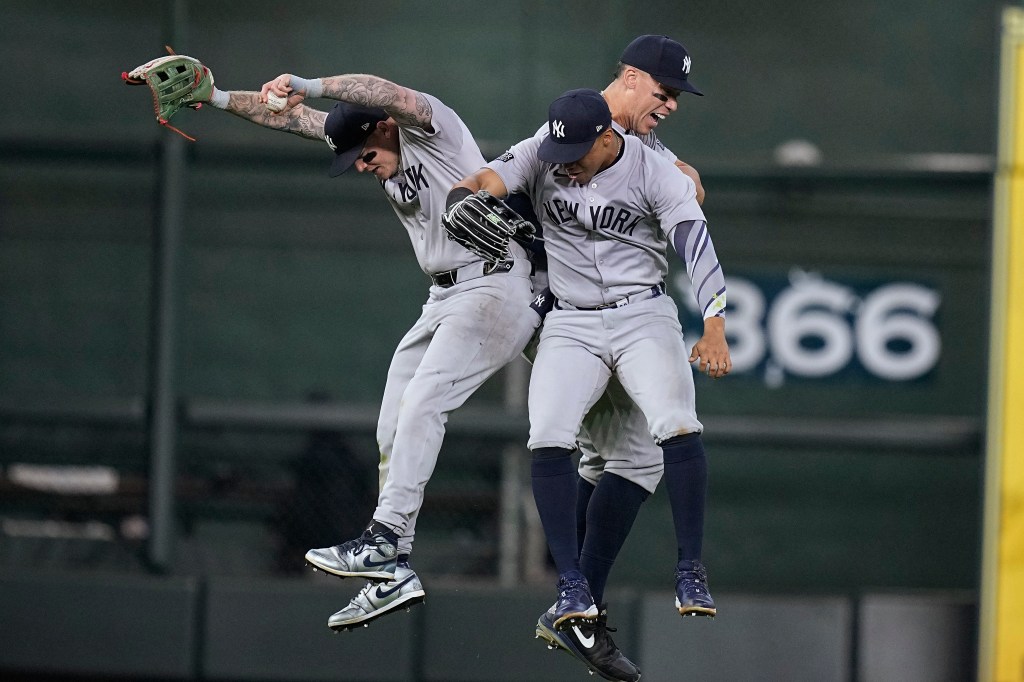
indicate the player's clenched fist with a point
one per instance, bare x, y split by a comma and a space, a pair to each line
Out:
712, 349
287, 91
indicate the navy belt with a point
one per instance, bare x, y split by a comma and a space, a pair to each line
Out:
450, 278
653, 292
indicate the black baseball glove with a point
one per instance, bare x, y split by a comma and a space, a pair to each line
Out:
484, 224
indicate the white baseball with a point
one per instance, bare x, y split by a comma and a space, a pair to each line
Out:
276, 103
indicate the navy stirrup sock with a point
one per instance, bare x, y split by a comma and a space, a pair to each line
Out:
553, 476
584, 491
613, 508
686, 478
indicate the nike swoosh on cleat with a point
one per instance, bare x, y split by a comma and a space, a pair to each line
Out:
587, 642
382, 593
370, 563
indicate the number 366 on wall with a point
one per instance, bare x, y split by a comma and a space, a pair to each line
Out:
814, 328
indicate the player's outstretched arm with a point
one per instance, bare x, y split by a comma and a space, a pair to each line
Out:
483, 179
299, 119
407, 106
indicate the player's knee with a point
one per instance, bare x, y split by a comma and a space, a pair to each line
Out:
386, 430
678, 423
547, 429
385, 444
546, 433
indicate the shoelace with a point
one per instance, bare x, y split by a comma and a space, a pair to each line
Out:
698, 584
354, 545
698, 576
570, 586
698, 573
366, 588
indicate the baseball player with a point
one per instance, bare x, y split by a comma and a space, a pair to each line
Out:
475, 319
610, 207
652, 73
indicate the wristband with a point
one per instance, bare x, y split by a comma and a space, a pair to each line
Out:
313, 87
219, 99
457, 195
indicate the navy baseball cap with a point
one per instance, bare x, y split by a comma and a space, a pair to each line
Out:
575, 120
346, 129
666, 60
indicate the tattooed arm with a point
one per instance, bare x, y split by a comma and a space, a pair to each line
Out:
300, 119
407, 106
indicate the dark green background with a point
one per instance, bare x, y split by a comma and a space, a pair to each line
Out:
292, 281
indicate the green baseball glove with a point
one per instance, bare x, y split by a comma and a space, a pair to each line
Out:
176, 81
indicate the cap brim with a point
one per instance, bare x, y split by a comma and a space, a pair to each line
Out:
677, 84
555, 152
342, 162
689, 88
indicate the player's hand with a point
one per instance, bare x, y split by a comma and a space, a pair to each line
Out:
712, 349
282, 87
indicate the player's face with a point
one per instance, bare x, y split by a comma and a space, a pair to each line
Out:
600, 156
378, 157
653, 103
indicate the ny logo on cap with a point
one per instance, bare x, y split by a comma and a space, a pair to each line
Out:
686, 64
330, 143
558, 129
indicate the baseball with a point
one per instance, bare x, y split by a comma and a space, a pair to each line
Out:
275, 103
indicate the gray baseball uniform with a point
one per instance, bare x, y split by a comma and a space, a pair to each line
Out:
466, 332
615, 436
606, 245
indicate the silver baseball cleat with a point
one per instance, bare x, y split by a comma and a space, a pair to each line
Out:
379, 599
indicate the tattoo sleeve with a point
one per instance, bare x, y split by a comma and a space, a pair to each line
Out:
405, 105
300, 120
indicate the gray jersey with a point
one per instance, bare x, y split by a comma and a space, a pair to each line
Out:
636, 203
430, 164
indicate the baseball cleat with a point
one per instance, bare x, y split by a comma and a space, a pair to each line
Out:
590, 643
373, 555
379, 599
574, 605
692, 595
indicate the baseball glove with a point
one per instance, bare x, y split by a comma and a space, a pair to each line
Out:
176, 81
484, 224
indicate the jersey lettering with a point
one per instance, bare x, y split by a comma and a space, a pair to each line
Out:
407, 191
561, 211
606, 218
415, 176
